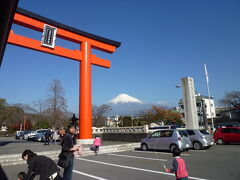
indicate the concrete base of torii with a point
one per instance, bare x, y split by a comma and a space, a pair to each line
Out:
84, 141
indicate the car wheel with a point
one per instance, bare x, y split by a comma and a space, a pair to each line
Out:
197, 145
220, 141
144, 147
172, 147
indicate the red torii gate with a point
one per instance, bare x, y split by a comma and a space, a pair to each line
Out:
86, 40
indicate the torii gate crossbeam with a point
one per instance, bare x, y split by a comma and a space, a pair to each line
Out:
86, 41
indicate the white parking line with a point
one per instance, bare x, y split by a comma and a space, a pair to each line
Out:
89, 175
201, 151
159, 153
139, 169
137, 157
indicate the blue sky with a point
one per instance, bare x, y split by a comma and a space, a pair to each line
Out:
162, 41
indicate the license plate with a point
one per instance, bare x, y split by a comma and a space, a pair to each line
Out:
187, 145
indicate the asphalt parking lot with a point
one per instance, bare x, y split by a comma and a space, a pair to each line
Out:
219, 162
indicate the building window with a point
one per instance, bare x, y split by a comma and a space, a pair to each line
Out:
198, 104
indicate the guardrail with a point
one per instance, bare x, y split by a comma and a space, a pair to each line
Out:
135, 129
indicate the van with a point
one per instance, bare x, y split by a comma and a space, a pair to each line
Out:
167, 140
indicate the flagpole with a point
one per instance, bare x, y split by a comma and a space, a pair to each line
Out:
209, 96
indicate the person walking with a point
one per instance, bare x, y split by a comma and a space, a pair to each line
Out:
97, 143
47, 137
179, 166
40, 165
68, 148
55, 137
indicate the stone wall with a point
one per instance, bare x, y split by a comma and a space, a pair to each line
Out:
125, 137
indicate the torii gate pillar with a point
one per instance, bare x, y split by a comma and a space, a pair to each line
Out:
85, 96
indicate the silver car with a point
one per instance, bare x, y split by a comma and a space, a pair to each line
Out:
200, 138
167, 140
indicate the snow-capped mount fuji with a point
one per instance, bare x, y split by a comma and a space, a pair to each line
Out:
124, 98
126, 105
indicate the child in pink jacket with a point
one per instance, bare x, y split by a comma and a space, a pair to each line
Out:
97, 142
179, 166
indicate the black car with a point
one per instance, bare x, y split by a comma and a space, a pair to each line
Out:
39, 136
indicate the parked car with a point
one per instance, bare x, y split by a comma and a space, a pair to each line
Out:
40, 136
200, 138
167, 140
227, 135
29, 134
35, 136
20, 134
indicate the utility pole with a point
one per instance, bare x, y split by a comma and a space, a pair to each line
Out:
205, 120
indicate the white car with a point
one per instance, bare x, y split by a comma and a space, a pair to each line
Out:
29, 134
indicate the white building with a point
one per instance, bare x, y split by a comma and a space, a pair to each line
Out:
200, 101
112, 121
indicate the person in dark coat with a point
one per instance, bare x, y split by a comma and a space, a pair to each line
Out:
40, 165
74, 120
47, 137
2, 174
67, 147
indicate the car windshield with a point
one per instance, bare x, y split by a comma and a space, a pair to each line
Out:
204, 132
42, 131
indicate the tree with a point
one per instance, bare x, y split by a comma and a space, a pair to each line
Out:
56, 103
98, 117
3, 112
126, 121
42, 124
231, 100
39, 104
26, 108
15, 116
161, 114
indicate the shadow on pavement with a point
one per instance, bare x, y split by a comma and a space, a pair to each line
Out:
4, 143
153, 150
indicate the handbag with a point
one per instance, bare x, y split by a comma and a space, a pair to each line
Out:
64, 159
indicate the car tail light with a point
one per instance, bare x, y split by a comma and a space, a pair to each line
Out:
179, 138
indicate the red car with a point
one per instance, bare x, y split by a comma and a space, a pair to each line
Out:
227, 135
